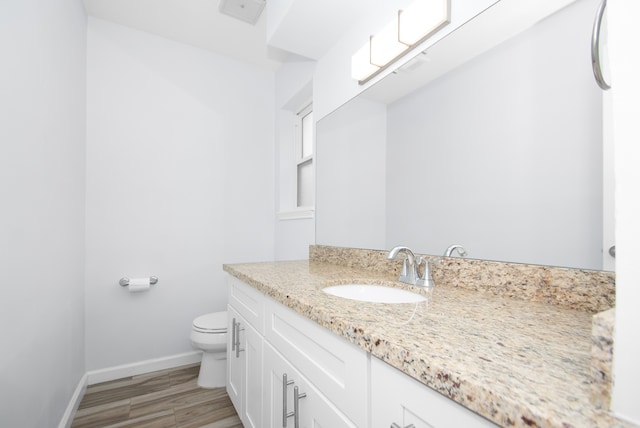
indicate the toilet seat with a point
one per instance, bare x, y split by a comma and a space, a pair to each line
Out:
215, 322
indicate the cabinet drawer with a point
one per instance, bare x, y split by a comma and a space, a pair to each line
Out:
337, 368
248, 301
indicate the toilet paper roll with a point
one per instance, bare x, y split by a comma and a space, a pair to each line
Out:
137, 285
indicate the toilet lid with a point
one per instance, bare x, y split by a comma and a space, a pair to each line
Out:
215, 322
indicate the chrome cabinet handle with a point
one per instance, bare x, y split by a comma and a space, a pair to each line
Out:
285, 414
296, 408
395, 425
237, 347
233, 334
595, 47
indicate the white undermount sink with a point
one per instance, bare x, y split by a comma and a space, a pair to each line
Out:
374, 293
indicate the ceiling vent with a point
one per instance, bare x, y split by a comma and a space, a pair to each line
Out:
244, 10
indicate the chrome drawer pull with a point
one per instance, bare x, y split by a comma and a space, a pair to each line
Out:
238, 330
233, 334
296, 408
285, 414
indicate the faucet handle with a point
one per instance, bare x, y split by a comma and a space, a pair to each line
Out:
425, 279
405, 268
409, 272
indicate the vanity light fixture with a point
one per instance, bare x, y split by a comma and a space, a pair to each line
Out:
411, 27
421, 19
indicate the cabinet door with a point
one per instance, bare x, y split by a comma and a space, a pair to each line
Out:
244, 365
319, 412
315, 410
234, 364
275, 368
400, 399
252, 348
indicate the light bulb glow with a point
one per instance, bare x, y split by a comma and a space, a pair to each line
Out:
422, 18
361, 66
385, 45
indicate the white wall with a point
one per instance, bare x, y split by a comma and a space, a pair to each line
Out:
42, 133
625, 68
504, 154
180, 180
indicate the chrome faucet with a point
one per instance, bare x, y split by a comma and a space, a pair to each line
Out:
409, 272
410, 267
449, 251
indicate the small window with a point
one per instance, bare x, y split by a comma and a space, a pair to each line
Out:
305, 175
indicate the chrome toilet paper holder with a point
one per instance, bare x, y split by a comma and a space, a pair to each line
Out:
125, 281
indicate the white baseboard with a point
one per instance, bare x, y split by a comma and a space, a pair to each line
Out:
72, 407
119, 372
142, 367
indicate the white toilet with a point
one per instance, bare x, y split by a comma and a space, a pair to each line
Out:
209, 333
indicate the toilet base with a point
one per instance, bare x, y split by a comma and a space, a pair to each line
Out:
213, 370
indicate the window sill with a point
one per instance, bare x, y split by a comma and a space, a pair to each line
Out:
297, 214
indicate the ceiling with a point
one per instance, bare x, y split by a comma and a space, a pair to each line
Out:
302, 29
194, 22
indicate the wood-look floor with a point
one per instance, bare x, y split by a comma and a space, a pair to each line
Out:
163, 399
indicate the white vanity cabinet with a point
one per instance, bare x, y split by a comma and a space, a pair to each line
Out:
245, 352
401, 400
339, 385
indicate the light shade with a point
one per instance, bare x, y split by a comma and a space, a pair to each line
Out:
361, 66
385, 45
422, 18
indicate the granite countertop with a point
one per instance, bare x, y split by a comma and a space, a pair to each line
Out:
517, 363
